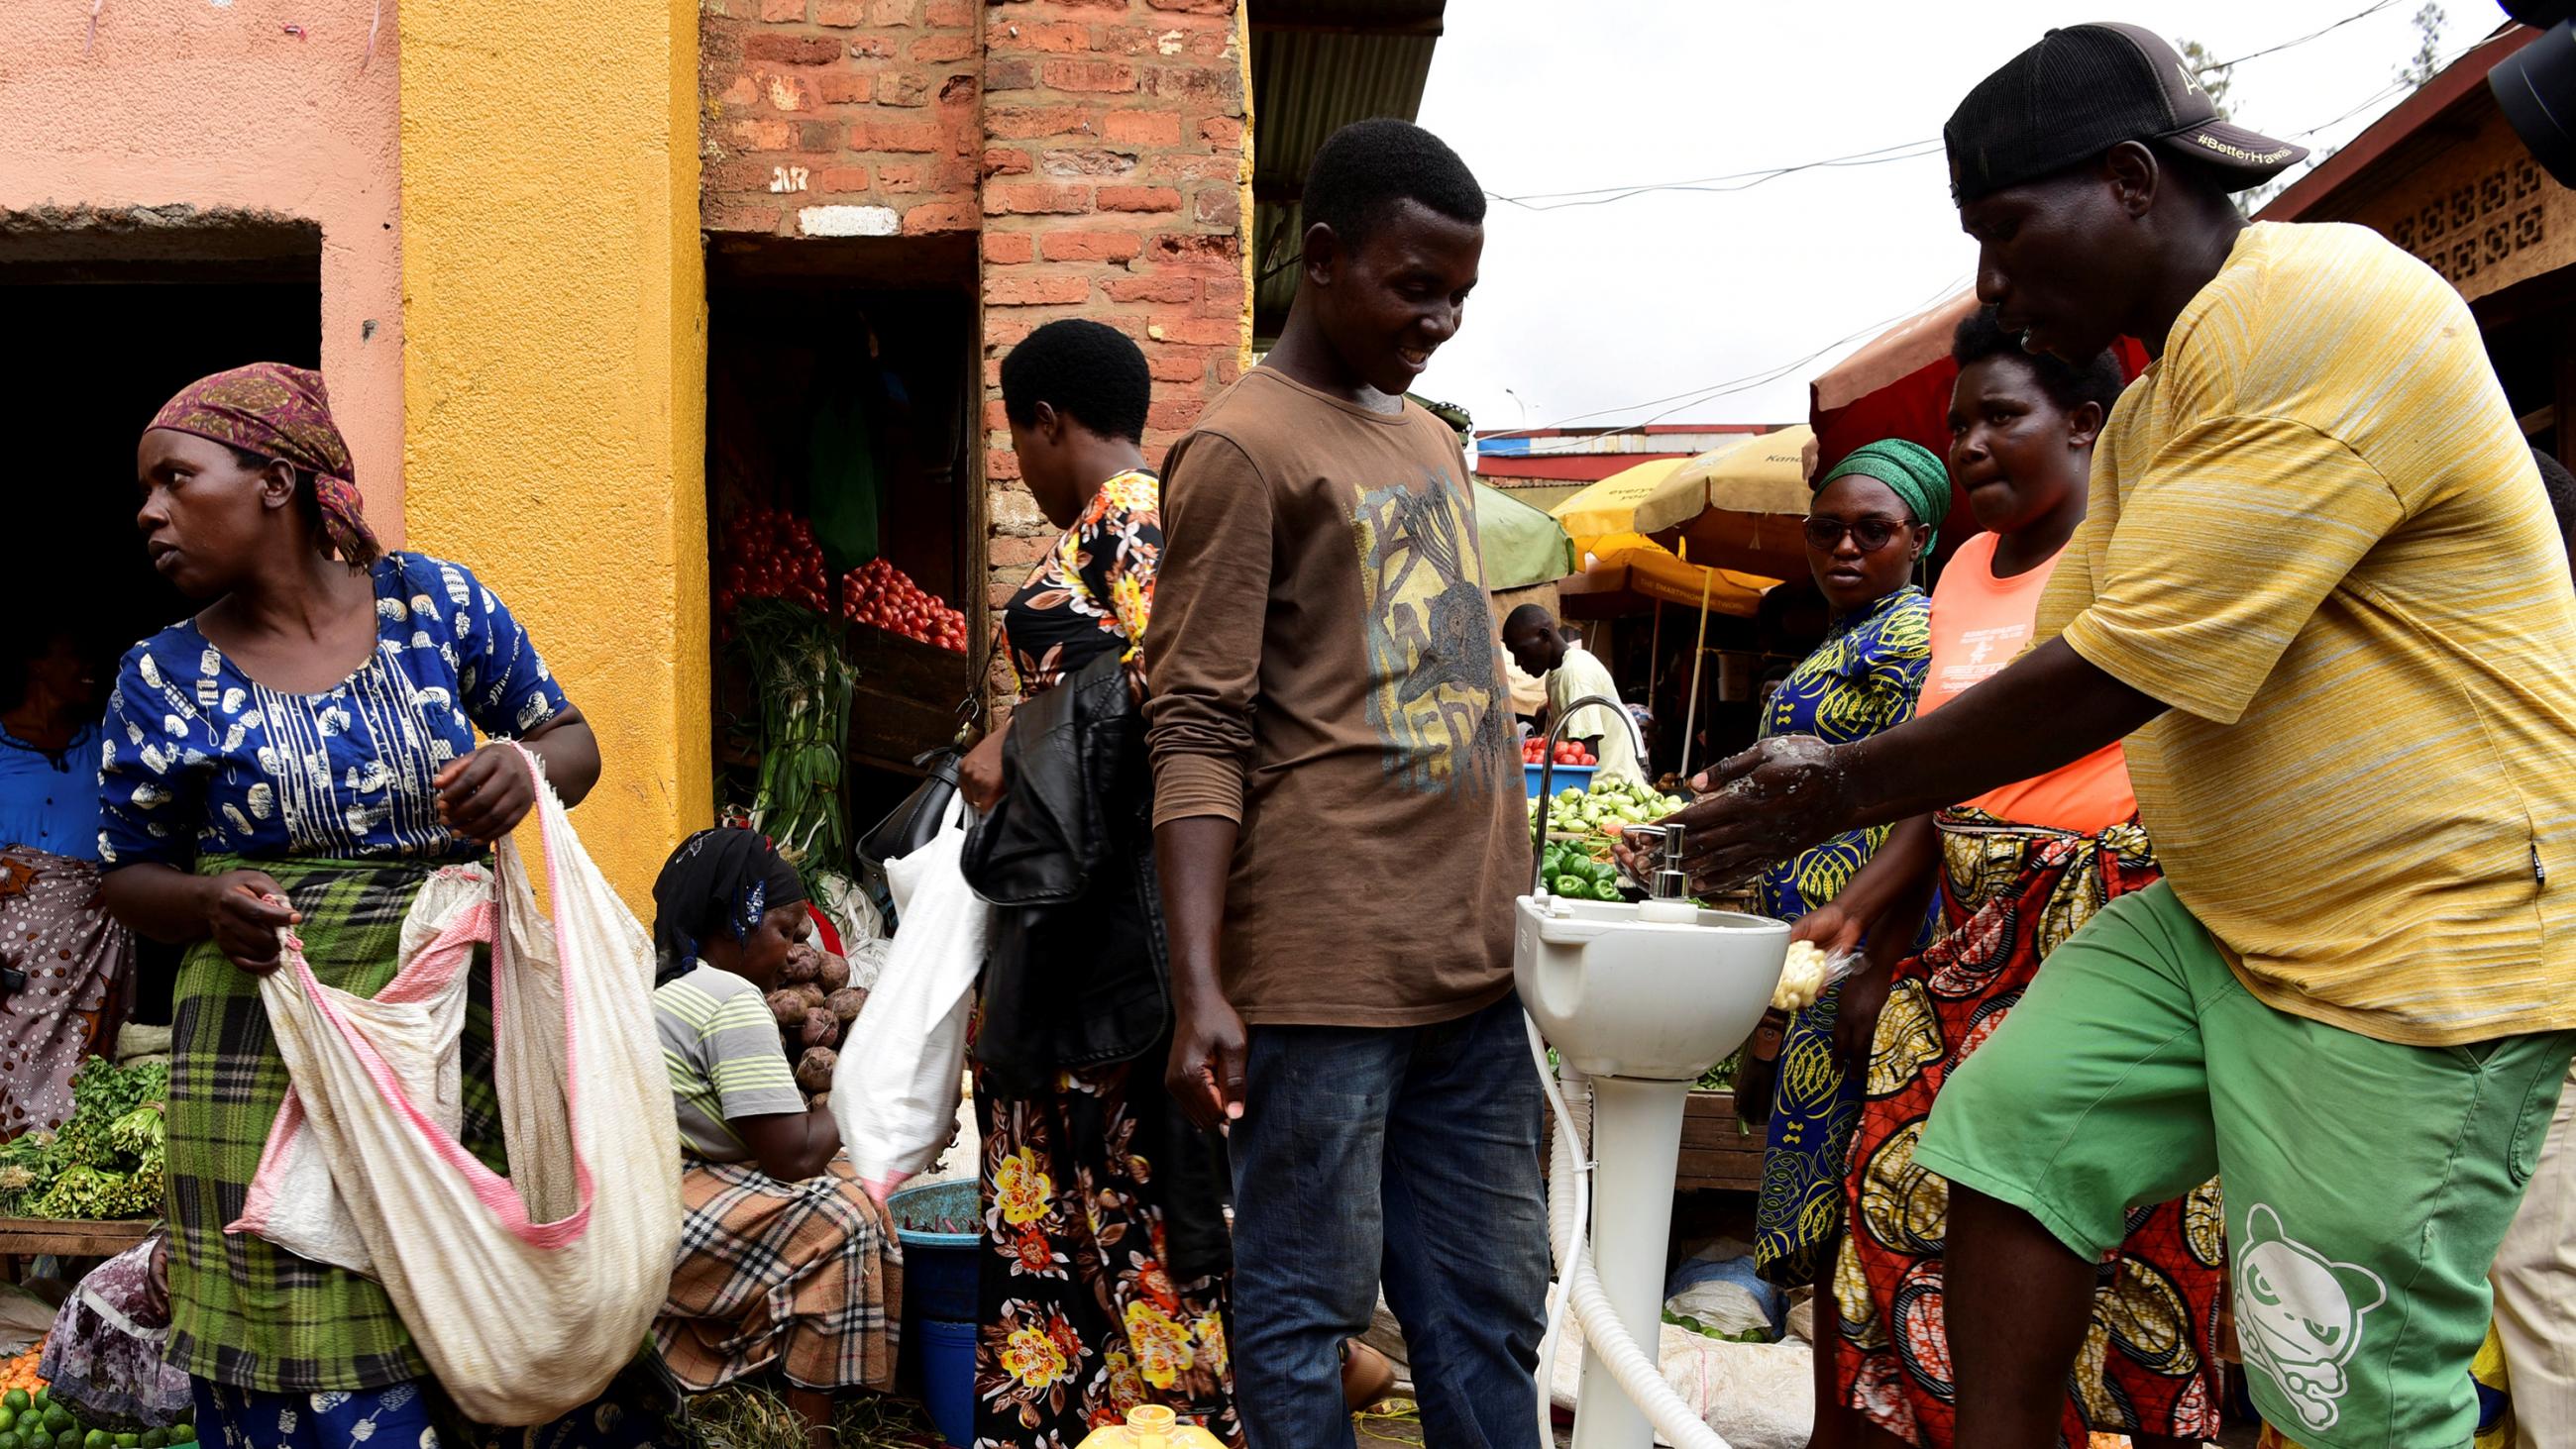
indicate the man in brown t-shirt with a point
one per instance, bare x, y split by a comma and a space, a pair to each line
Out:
1340, 826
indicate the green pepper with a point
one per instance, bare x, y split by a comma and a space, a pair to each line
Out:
1574, 887
1607, 891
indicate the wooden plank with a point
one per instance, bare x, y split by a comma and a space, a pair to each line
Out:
67, 1238
1715, 1153
906, 698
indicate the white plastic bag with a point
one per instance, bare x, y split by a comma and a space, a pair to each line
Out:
526, 1294
894, 1092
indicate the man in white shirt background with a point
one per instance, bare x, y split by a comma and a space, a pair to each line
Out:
1572, 672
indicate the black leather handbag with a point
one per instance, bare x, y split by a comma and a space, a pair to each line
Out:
911, 825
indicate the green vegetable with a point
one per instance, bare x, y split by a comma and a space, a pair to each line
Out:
184, 1434
1574, 887
107, 1162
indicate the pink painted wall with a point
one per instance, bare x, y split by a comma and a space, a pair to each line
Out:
252, 105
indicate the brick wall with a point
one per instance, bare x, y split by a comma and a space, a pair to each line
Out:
1112, 189
1099, 146
839, 117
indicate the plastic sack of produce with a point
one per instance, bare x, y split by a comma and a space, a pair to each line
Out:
526, 1294
894, 1090
103, 1359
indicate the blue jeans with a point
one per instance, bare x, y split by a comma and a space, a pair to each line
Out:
1411, 1152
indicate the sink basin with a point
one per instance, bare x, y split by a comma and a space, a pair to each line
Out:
1618, 996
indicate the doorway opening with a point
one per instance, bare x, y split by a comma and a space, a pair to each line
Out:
112, 321
846, 521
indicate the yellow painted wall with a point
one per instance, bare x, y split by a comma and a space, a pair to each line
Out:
554, 379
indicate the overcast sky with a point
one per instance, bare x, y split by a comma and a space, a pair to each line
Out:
1605, 307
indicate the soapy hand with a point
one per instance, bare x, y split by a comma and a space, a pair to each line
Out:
1766, 804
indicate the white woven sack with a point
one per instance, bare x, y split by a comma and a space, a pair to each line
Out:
526, 1294
894, 1092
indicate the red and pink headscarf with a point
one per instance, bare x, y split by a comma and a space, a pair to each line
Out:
281, 412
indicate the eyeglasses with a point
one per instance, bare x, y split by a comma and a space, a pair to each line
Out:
1826, 534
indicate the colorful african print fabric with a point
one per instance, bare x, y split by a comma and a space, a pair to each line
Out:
1862, 680
66, 972
284, 413
244, 1312
1079, 1317
200, 757
1093, 590
2150, 1363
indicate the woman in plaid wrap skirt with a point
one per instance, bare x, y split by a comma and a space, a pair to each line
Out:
301, 752
785, 1261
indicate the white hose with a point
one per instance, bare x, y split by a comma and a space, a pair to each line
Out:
1569, 1207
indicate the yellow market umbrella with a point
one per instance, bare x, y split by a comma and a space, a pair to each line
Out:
1736, 507
1610, 505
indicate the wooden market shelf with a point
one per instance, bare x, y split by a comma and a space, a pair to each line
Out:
906, 699
1715, 1153
70, 1237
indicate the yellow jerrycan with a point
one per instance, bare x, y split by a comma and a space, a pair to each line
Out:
1152, 1426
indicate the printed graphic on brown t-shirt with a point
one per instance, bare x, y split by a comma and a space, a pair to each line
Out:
1432, 681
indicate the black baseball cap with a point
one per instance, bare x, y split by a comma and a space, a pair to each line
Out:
2083, 90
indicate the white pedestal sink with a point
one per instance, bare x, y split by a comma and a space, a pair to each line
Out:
1642, 998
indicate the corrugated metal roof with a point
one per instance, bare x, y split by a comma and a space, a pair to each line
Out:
1317, 66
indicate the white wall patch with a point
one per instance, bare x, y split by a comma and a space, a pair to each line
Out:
848, 221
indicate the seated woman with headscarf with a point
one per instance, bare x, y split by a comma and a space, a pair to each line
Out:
65, 965
301, 752
785, 1260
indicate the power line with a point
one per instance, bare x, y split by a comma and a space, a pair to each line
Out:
1730, 386
1766, 376
1742, 180
1876, 156
2294, 44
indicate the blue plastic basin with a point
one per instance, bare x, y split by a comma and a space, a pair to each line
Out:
948, 1377
939, 1267
1568, 777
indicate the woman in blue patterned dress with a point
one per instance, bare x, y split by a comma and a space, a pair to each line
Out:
1875, 516
308, 737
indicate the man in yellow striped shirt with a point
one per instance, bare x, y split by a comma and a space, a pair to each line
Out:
2320, 590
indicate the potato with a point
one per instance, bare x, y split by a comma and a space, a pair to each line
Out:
814, 1070
787, 1006
836, 972
804, 963
822, 1028
845, 1003
811, 993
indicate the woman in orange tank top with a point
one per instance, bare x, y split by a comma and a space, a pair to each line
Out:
2019, 870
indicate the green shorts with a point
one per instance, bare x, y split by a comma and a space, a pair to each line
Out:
2367, 1185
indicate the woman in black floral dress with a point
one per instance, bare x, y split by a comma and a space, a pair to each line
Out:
1082, 1315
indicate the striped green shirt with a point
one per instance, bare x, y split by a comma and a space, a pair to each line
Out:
726, 1057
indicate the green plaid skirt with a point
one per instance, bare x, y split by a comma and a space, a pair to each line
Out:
243, 1311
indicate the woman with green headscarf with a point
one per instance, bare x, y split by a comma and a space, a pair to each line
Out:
1875, 516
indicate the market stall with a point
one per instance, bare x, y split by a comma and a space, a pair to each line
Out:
1739, 507
846, 521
